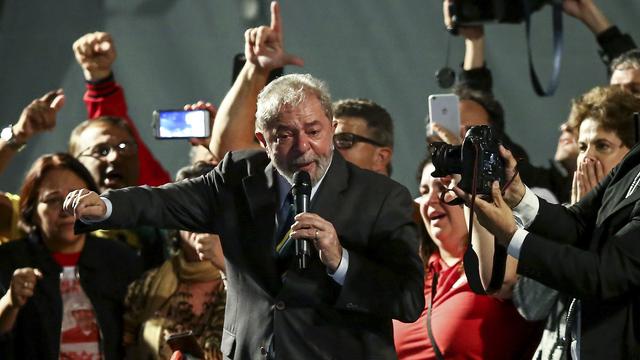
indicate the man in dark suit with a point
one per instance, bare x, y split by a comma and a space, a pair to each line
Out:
590, 251
365, 269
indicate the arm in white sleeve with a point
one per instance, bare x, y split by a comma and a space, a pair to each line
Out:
516, 243
107, 214
341, 271
525, 212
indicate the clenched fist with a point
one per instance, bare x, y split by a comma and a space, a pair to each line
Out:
23, 284
95, 52
85, 205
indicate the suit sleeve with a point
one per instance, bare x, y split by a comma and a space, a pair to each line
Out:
392, 271
611, 272
187, 205
106, 98
533, 300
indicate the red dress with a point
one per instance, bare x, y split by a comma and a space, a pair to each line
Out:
107, 98
465, 325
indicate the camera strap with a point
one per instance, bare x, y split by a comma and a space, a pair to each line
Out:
556, 8
470, 259
432, 339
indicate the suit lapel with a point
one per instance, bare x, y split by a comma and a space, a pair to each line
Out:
260, 194
635, 196
329, 193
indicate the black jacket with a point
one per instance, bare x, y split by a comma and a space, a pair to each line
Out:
591, 251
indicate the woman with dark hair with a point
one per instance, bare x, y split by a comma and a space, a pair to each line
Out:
456, 322
62, 293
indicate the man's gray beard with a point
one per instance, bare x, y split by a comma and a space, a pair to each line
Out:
322, 165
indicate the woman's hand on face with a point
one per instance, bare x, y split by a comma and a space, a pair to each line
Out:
590, 172
23, 283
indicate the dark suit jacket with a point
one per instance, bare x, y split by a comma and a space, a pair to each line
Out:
591, 251
309, 314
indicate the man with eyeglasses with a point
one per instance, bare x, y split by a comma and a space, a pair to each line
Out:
364, 134
107, 148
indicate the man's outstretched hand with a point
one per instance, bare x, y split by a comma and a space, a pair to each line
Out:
85, 205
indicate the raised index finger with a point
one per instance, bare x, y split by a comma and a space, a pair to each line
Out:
49, 96
276, 24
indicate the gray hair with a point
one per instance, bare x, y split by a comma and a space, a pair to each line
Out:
626, 61
289, 90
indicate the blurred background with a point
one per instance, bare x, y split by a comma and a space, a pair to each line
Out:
175, 52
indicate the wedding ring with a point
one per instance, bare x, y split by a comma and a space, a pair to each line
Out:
316, 235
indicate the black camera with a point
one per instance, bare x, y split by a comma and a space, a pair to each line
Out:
476, 12
478, 160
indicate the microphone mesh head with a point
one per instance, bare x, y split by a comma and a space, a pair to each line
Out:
301, 183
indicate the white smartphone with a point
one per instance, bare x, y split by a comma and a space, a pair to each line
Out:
443, 110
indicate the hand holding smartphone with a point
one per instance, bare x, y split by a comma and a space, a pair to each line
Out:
443, 110
181, 124
186, 343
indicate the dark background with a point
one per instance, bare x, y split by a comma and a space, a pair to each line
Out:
176, 52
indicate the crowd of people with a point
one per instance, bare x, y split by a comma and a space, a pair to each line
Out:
103, 256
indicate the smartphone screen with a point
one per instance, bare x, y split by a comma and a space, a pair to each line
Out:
180, 124
443, 110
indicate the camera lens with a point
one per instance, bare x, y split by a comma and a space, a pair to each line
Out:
446, 159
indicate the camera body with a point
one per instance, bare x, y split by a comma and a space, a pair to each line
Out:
477, 160
477, 12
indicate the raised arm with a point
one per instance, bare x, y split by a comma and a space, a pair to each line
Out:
611, 40
474, 75
38, 116
21, 289
95, 53
234, 125
186, 205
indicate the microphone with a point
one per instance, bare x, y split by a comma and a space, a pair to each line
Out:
301, 192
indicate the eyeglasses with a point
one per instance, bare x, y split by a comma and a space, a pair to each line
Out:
346, 140
102, 150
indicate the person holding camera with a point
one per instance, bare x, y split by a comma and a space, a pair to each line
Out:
604, 117
457, 323
588, 251
476, 75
